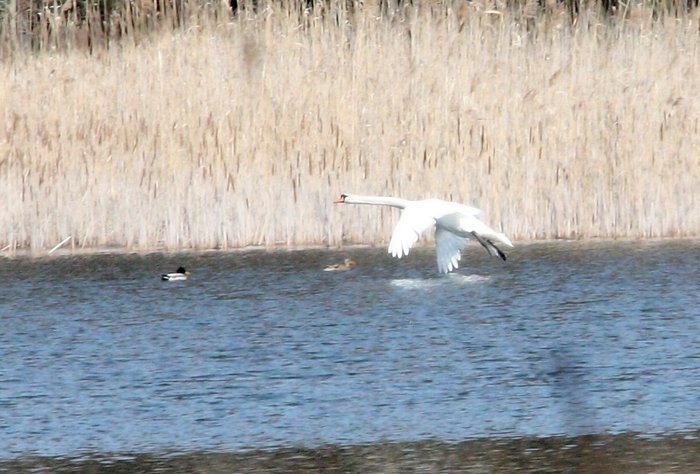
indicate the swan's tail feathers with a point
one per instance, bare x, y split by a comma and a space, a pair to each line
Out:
491, 247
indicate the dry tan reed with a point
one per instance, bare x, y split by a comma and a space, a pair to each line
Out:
236, 133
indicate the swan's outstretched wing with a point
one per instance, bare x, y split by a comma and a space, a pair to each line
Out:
449, 248
411, 225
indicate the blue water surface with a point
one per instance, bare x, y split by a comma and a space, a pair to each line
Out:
260, 349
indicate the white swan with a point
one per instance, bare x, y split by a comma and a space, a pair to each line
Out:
454, 224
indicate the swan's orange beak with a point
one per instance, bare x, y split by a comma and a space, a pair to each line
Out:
340, 199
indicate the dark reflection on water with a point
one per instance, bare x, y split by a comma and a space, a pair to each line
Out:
582, 454
264, 349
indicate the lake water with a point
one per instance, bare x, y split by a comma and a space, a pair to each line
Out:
261, 349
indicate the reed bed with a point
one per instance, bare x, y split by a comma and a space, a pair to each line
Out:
230, 131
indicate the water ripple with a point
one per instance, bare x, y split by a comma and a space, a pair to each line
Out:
265, 349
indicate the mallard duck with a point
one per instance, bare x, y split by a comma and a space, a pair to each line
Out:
179, 274
348, 264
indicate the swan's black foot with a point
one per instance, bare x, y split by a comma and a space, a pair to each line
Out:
490, 246
499, 252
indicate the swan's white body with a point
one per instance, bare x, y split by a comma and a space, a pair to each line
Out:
454, 224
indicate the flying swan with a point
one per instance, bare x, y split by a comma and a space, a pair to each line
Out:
454, 224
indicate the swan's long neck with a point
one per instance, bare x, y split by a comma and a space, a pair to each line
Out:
377, 200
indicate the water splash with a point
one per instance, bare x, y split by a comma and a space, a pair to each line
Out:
449, 279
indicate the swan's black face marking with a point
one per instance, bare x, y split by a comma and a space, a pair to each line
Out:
341, 199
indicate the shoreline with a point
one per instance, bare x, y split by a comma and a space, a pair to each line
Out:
626, 452
123, 250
